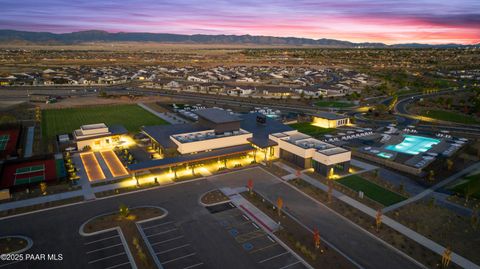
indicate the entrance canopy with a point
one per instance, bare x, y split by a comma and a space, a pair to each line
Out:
185, 159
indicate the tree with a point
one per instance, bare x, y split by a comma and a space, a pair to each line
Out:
378, 219
446, 257
449, 165
124, 210
330, 191
316, 238
279, 206
431, 175
250, 186
43, 188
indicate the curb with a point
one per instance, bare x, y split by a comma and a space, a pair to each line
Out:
29, 243
122, 237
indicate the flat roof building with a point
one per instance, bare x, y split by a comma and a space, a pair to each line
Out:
329, 120
219, 135
97, 135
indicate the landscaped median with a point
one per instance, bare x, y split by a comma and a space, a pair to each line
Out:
298, 238
385, 233
14, 244
125, 222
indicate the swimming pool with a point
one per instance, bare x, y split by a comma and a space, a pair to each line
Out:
414, 145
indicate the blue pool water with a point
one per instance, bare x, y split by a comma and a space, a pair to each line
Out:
414, 145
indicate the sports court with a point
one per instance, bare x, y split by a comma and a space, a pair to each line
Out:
8, 141
92, 167
114, 164
4, 141
27, 172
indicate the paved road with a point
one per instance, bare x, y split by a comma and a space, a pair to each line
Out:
351, 240
56, 231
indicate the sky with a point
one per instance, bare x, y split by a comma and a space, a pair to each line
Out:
387, 21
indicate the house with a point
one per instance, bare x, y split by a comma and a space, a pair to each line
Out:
237, 91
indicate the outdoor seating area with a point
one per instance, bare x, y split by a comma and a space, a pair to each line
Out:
348, 135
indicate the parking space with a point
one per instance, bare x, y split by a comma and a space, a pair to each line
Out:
263, 249
170, 245
106, 251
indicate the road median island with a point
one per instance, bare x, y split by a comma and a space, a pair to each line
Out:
298, 238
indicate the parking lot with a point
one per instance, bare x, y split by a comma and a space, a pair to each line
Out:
259, 245
170, 245
106, 251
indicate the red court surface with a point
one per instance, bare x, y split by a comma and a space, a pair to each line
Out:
116, 167
9, 142
93, 169
26, 172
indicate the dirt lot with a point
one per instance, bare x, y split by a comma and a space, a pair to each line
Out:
462, 234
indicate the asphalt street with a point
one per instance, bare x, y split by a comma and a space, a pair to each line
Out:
56, 231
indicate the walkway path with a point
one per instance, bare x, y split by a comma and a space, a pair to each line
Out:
165, 116
253, 211
41, 200
433, 246
83, 181
433, 188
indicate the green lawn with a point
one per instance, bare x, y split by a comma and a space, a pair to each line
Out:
371, 190
336, 104
309, 129
61, 121
450, 116
469, 185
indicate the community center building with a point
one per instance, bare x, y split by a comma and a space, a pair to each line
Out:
220, 139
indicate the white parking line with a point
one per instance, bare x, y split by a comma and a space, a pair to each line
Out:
172, 249
98, 249
195, 265
263, 248
168, 240
158, 225
255, 225
118, 265
179, 258
286, 266
88, 243
245, 217
108, 257
274, 257
164, 232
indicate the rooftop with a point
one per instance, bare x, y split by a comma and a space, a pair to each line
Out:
329, 116
217, 115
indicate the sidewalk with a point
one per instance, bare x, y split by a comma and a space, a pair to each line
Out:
83, 181
254, 212
430, 190
40, 200
433, 246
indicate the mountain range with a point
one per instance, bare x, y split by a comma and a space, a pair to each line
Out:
46, 38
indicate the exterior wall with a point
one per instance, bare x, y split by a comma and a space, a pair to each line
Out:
295, 159
91, 142
209, 144
220, 128
324, 170
95, 131
332, 159
325, 123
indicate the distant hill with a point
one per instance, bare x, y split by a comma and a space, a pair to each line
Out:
22, 37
